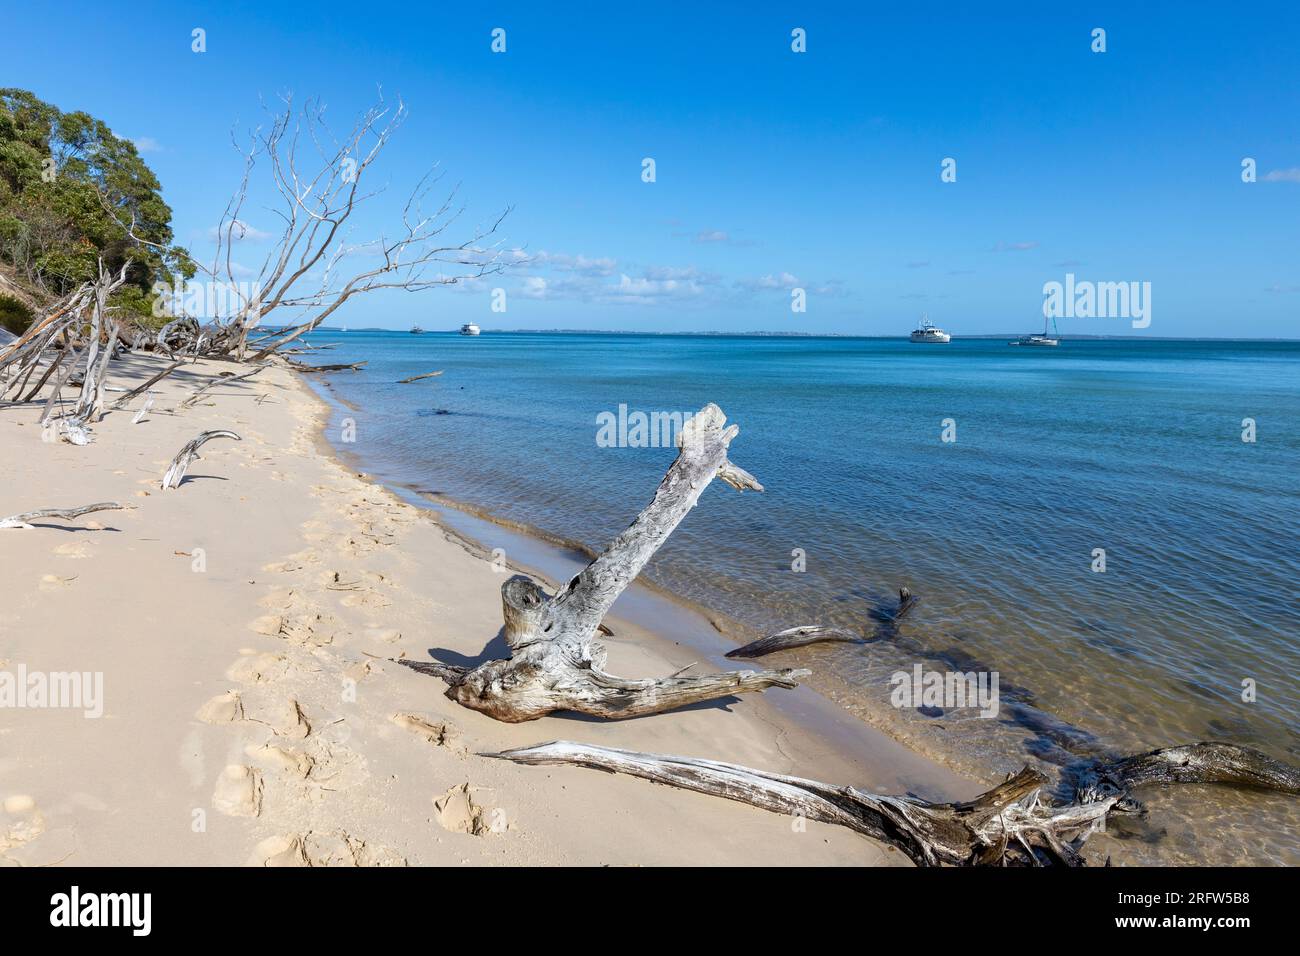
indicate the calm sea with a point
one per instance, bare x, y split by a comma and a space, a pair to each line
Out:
1134, 448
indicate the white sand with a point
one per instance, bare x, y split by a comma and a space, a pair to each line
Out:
250, 712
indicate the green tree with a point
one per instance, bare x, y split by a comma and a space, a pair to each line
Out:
69, 190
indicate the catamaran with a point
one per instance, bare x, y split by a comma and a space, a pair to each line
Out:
469, 328
1041, 339
929, 332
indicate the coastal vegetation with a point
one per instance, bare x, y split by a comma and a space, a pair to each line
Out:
71, 192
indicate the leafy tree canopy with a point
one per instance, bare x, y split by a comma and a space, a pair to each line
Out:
69, 189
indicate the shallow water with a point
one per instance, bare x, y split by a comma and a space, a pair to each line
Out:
1131, 447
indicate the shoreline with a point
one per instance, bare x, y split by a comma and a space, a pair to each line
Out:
555, 558
645, 605
251, 715
1197, 826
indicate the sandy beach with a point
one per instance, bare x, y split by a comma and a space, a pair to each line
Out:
244, 625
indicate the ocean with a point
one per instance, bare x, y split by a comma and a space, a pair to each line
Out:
1111, 526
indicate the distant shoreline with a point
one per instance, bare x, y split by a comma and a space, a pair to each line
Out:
983, 336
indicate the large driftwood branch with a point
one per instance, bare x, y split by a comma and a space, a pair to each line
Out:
1016, 823
62, 514
126, 399
188, 454
556, 663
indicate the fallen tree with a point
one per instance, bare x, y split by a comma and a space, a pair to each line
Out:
556, 663
1016, 823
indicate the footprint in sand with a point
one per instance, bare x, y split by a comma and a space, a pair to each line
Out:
24, 839
367, 599
284, 850
255, 668
54, 582
282, 567
282, 715
388, 635
238, 792
457, 811
227, 708
282, 760
437, 732
314, 630
323, 849
74, 549
360, 670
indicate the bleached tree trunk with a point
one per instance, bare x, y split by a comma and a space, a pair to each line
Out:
556, 662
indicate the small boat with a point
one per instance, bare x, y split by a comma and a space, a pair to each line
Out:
469, 328
416, 330
929, 332
1043, 339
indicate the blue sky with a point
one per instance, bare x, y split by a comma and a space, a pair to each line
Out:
819, 170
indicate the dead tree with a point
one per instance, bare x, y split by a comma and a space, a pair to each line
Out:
310, 267
188, 454
82, 317
1017, 823
556, 663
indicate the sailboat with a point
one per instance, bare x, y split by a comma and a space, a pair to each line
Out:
1041, 340
416, 330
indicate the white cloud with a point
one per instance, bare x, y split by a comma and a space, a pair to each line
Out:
147, 144
768, 282
1015, 246
712, 235
1291, 175
583, 265
241, 232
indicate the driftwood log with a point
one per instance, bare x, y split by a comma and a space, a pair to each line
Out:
416, 378
188, 454
62, 514
332, 367
556, 663
807, 634
1017, 823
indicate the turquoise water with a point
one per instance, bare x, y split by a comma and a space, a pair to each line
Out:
1134, 447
